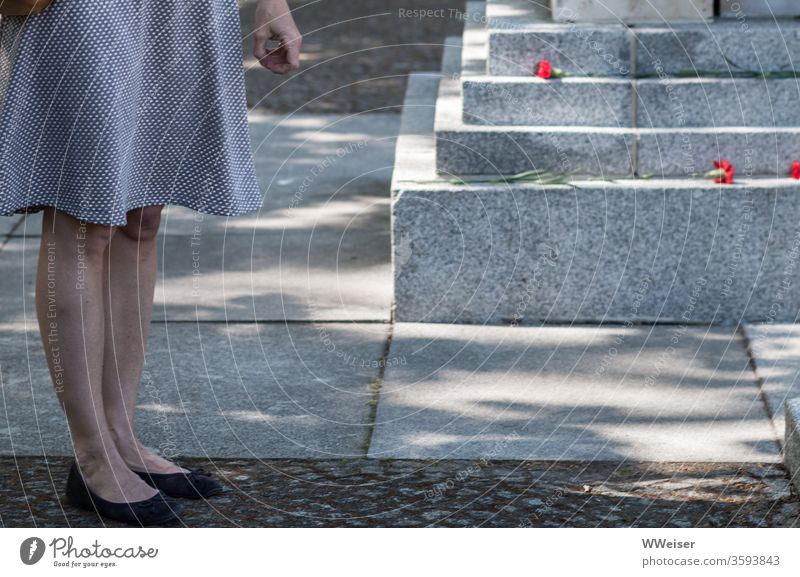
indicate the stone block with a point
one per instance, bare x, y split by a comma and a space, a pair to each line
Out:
579, 50
556, 102
759, 8
631, 10
721, 47
463, 149
518, 34
683, 152
716, 102
672, 251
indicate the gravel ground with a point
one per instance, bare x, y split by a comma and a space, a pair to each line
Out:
368, 493
356, 56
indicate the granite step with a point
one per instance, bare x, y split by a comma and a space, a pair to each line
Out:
492, 125
464, 149
681, 250
520, 33
536, 102
717, 102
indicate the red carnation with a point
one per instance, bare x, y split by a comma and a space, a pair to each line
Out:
796, 170
724, 172
545, 69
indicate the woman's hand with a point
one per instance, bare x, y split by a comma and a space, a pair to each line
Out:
274, 22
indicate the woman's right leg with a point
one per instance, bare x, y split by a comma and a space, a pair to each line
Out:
69, 306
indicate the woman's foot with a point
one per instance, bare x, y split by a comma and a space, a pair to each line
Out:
139, 458
109, 478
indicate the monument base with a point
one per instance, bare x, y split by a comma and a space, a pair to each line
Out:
631, 10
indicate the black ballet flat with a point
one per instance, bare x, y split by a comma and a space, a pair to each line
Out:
196, 484
156, 510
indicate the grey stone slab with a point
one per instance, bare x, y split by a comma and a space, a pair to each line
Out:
463, 149
717, 102
792, 447
335, 270
17, 279
571, 393
580, 50
671, 152
627, 250
763, 8
627, 11
415, 155
521, 33
724, 46
775, 349
216, 390
327, 271
8, 223
536, 102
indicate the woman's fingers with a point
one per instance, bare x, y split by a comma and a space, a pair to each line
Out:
285, 57
260, 36
293, 52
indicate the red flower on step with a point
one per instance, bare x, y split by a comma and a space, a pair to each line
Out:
545, 70
796, 170
724, 173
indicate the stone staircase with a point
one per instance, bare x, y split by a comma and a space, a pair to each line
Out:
619, 226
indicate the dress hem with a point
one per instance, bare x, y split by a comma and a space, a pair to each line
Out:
33, 209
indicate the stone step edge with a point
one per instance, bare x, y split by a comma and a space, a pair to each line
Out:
450, 116
450, 125
495, 23
540, 18
415, 157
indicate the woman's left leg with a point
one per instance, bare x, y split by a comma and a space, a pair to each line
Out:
130, 281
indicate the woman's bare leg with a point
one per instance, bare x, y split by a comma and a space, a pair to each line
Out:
70, 310
130, 286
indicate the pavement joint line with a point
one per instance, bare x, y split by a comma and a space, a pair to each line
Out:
270, 322
759, 381
375, 388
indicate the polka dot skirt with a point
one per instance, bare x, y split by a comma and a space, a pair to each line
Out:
115, 105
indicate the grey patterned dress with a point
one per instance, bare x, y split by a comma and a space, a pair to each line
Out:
111, 105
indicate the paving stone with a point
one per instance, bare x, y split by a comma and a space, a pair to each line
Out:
407, 493
214, 389
327, 271
571, 393
776, 354
717, 103
7, 224
537, 102
335, 270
